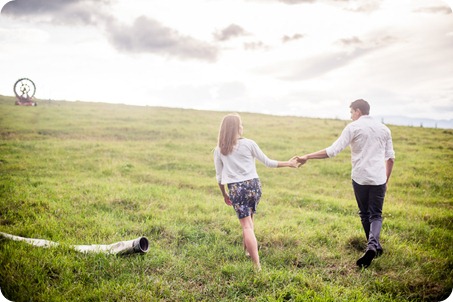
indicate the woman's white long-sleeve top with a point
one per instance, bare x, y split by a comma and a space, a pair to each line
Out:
240, 164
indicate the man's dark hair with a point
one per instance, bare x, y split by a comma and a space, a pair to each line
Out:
362, 105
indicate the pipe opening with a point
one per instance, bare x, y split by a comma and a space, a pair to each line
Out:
143, 244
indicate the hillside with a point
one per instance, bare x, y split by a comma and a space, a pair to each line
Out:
94, 173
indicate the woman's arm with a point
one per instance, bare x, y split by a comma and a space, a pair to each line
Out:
291, 163
226, 198
271, 163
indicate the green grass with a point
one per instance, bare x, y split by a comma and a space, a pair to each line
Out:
93, 173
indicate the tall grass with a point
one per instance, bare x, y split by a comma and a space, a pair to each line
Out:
93, 173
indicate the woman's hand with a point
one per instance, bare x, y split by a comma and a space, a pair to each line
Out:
294, 163
227, 200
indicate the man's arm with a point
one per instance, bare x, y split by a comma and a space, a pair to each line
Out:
342, 142
315, 155
389, 167
390, 157
318, 154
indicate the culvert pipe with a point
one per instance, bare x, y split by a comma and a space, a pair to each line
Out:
139, 245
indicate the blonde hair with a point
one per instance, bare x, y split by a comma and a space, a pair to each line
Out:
229, 132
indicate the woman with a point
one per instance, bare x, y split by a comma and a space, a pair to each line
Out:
234, 159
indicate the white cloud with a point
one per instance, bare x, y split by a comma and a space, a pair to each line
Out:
308, 58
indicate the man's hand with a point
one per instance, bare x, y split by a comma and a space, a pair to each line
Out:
293, 163
301, 159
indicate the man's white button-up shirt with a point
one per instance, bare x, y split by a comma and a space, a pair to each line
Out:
371, 146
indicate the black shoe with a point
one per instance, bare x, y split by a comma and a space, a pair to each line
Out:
379, 252
366, 259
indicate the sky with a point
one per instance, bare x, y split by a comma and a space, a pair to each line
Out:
308, 58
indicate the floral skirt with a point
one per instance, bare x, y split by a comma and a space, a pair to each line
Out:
245, 196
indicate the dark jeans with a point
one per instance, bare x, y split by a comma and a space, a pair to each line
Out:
370, 200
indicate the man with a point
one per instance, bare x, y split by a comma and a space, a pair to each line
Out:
372, 159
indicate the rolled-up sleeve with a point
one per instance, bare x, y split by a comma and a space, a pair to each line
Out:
389, 152
341, 143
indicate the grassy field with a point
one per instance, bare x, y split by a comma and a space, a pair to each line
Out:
92, 173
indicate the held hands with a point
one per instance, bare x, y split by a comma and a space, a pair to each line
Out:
297, 161
302, 159
292, 163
